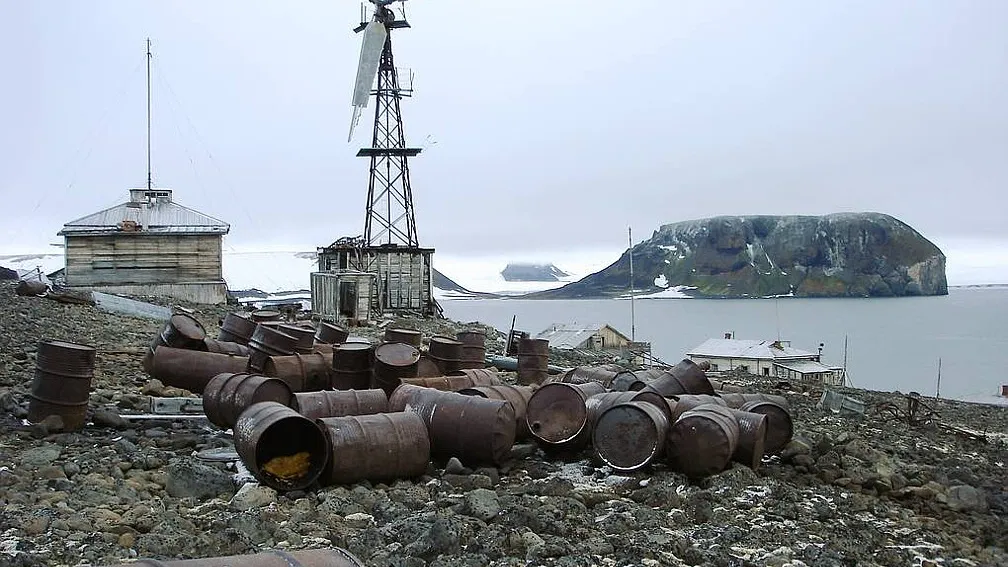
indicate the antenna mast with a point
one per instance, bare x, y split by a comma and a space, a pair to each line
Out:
150, 182
633, 338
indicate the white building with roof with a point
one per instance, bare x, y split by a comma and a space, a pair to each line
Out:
149, 245
766, 358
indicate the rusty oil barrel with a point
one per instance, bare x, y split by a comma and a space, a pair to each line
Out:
533, 361
738, 400
225, 347
330, 333
228, 394
446, 353
725, 388
683, 378
192, 369
557, 415
378, 447
180, 331
62, 383
392, 363
779, 426
268, 341
473, 347
449, 383
302, 372
685, 402
261, 315
518, 396
280, 447
481, 376
332, 557
325, 349
479, 431
634, 380
305, 337
427, 368
405, 336
630, 435
702, 441
752, 438
236, 328
352, 364
599, 403
340, 403
582, 374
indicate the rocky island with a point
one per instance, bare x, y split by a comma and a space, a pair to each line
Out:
837, 255
518, 272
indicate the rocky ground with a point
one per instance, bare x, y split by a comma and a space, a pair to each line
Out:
849, 491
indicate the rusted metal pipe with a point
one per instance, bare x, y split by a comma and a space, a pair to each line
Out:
236, 328
558, 416
780, 427
630, 435
702, 441
192, 369
352, 364
334, 557
377, 447
268, 341
533, 361
280, 447
227, 395
340, 403
473, 347
683, 378
518, 396
62, 383
393, 362
302, 372
330, 333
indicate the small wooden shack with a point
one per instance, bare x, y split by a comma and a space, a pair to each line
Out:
149, 245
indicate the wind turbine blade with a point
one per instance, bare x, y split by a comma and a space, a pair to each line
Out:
353, 121
370, 57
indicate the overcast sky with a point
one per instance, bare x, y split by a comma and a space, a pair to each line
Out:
546, 125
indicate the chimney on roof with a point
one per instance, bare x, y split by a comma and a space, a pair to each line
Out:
727, 336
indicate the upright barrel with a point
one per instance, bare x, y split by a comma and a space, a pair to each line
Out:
405, 336
280, 447
473, 347
702, 441
352, 364
392, 363
330, 333
427, 368
262, 315
630, 435
517, 396
533, 361
266, 342
236, 328
558, 416
780, 427
192, 369
446, 354
752, 438
376, 447
302, 372
227, 395
332, 557
340, 403
62, 384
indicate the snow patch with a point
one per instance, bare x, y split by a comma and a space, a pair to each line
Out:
661, 281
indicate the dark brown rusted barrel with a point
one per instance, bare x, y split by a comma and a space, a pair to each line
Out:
685, 402
325, 349
227, 395
393, 362
269, 430
225, 347
193, 369
533, 361
378, 447
446, 353
627, 380
340, 403
405, 336
518, 396
62, 384
180, 331
266, 315
779, 426
427, 368
236, 329
752, 438
473, 347
305, 337
630, 435
723, 388
302, 372
599, 403
481, 376
479, 431
582, 374
683, 378
445, 383
330, 333
558, 417
352, 363
266, 342
333, 557
738, 400
702, 441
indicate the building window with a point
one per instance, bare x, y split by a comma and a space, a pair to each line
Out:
713, 367
744, 368
766, 371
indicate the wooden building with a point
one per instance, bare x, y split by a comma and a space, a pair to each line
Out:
342, 295
585, 337
150, 245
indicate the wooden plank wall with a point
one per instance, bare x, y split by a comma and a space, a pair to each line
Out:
136, 258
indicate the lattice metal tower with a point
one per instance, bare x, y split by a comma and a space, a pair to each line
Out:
389, 217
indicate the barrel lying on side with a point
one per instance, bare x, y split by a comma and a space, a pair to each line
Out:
630, 435
376, 447
333, 557
752, 438
737, 400
280, 447
305, 337
450, 383
236, 328
226, 396
302, 372
405, 336
683, 378
224, 347
780, 427
557, 415
582, 374
633, 380
340, 403
330, 333
180, 331
597, 404
62, 383
702, 441
266, 342
192, 369
517, 396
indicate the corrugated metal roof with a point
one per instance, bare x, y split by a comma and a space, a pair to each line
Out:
157, 216
742, 348
568, 336
805, 366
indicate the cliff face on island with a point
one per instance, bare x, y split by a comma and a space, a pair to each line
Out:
837, 255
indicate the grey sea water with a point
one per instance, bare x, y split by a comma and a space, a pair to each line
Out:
892, 343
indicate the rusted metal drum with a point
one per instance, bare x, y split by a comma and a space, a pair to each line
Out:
305, 337
266, 315
340, 403
752, 438
479, 431
352, 364
518, 396
633, 380
192, 369
62, 384
427, 368
332, 557
405, 336
630, 435
358, 340
725, 388
481, 376
227, 395
599, 403
683, 378
280, 447
302, 372
738, 400
779, 426
702, 441
685, 402
393, 362
180, 331
582, 374
324, 349
377, 447
558, 417
473, 347
446, 353
533, 361
449, 383
330, 333
236, 328
266, 342
225, 347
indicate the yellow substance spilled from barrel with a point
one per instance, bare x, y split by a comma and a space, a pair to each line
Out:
289, 467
